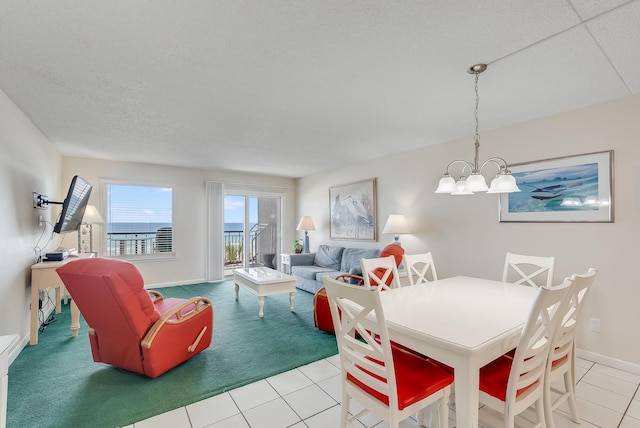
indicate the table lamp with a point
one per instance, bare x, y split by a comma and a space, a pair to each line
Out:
91, 217
396, 224
306, 224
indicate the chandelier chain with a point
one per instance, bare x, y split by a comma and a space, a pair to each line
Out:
477, 135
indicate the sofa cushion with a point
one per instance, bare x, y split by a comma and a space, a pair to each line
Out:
308, 272
351, 257
331, 273
328, 257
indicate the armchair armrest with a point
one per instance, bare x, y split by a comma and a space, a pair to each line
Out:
155, 295
306, 259
178, 314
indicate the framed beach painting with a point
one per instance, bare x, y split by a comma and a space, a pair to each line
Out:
567, 189
353, 211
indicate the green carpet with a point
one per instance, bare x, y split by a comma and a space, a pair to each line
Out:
57, 384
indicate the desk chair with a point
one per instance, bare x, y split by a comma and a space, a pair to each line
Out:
521, 269
388, 382
562, 359
511, 385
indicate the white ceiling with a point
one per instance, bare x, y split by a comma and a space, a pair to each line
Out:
292, 88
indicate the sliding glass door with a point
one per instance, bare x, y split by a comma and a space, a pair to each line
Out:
252, 230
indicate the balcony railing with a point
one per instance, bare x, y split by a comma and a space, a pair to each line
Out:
139, 243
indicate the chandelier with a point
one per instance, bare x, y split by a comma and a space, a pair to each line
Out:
503, 182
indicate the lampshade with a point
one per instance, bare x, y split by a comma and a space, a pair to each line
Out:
306, 223
396, 223
503, 183
91, 215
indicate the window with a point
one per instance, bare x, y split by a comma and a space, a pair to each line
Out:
139, 220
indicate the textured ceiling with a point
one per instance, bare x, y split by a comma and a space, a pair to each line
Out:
292, 88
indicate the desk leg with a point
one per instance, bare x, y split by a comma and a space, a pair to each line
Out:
75, 319
467, 385
33, 332
58, 301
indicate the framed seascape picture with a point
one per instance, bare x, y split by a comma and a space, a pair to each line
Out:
353, 211
567, 189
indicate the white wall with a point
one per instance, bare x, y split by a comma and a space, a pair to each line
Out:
29, 163
190, 209
464, 233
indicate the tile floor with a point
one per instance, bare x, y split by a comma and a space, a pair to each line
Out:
309, 397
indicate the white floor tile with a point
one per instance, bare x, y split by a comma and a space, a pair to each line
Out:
333, 387
328, 418
287, 382
308, 397
254, 394
603, 397
634, 409
177, 418
320, 370
629, 422
236, 421
274, 414
611, 383
309, 401
620, 374
214, 409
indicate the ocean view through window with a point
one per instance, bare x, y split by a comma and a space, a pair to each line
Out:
139, 220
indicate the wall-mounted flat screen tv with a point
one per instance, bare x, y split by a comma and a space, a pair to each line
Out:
73, 206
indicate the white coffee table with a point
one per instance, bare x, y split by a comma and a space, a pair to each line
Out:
263, 281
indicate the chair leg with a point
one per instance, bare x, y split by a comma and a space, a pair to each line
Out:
344, 412
443, 413
570, 387
421, 417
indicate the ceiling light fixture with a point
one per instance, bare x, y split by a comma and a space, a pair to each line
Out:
503, 182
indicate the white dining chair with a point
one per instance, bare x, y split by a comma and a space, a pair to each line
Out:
380, 272
386, 381
523, 269
420, 268
511, 385
562, 358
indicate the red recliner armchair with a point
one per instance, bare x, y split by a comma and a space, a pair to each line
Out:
127, 327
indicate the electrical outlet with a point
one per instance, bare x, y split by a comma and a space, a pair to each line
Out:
40, 221
594, 323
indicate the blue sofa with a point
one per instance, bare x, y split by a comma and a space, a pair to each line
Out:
310, 268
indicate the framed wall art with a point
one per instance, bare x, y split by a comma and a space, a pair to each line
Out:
353, 211
567, 189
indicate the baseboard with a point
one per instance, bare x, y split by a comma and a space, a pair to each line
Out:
608, 361
176, 283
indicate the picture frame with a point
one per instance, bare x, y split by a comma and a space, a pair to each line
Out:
353, 211
576, 188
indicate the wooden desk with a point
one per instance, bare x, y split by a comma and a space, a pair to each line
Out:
463, 322
44, 275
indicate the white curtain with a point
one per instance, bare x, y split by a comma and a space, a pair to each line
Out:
215, 235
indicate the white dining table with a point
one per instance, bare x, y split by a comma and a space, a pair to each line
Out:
463, 322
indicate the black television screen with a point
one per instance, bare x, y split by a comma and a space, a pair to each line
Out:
73, 206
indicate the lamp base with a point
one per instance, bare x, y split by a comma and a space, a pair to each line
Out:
396, 240
305, 245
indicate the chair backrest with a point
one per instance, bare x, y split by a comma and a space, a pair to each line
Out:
528, 268
365, 351
561, 352
419, 266
380, 272
530, 360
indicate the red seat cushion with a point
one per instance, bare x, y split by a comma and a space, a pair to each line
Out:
322, 312
494, 378
416, 378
